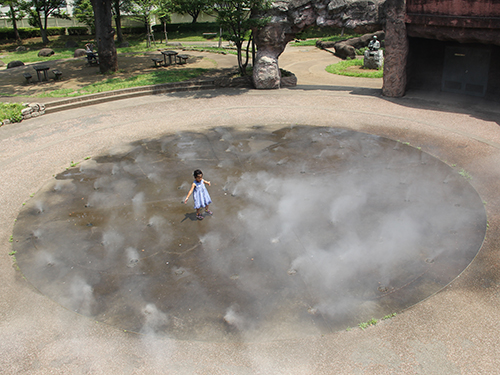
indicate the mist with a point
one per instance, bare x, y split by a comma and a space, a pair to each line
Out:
314, 229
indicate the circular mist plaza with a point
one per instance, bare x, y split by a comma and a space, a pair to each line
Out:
315, 229
332, 206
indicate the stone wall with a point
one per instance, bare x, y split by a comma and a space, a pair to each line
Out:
463, 21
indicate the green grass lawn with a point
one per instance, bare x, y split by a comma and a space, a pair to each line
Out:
32, 56
342, 68
138, 44
11, 111
110, 84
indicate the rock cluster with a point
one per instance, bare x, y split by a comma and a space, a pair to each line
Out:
347, 48
33, 110
287, 18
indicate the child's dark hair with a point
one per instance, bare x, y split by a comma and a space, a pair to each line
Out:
197, 173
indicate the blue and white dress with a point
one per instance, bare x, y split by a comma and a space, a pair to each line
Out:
200, 195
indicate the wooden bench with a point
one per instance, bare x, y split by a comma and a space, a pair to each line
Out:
157, 60
28, 77
57, 74
182, 59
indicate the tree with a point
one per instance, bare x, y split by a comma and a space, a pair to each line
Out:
84, 13
14, 13
192, 7
41, 10
120, 6
235, 16
143, 10
108, 59
162, 12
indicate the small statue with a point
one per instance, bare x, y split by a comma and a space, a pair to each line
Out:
374, 56
374, 44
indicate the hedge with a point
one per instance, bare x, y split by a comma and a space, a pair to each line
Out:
29, 32
195, 28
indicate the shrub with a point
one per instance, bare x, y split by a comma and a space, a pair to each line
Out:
11, 111
51, 31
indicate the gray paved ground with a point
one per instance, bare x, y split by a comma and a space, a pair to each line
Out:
452, 332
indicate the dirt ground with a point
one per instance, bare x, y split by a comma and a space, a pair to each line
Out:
76, 73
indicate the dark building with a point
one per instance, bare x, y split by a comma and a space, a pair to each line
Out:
454, 46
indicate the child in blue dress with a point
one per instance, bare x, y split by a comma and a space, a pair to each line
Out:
200, 194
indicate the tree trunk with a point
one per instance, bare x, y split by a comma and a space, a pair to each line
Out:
43, 32
239, 49
14, 24
148, 34
108, 61
118, 22
195, 16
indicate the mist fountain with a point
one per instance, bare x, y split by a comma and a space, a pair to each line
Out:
314, 230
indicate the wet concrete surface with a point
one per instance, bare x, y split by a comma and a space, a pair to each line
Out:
454, 331
315, 229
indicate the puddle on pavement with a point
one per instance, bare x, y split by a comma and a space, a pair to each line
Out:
314, 229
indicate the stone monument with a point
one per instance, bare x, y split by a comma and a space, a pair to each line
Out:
374, 57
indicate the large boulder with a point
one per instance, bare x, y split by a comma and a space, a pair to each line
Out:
14, 64
79, 52
124, 44
44, 52
21, 49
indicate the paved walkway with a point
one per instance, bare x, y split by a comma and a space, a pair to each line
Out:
452, 332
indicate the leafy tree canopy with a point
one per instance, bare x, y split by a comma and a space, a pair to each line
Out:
84, 13
235, 17
192, 7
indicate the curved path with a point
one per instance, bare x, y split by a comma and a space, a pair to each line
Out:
452, 332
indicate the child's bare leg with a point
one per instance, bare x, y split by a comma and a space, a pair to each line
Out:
198, 215
207, 210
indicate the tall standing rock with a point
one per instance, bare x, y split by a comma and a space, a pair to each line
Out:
396, 49
271, 41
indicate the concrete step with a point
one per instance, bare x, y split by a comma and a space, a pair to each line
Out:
87, 100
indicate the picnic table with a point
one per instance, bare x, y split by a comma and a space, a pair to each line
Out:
41, 69
169, 54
